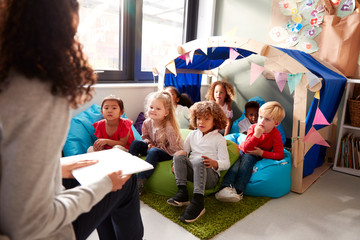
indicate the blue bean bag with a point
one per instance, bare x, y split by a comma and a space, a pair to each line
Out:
81, 133
270, 178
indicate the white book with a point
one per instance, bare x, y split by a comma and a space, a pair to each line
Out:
109, 161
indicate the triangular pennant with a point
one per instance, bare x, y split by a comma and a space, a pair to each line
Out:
187, 58
293, 80
171, 67
319, 118
204, 48
280, 79
255, 72
233, 54
183, 57
314, 137
312, 79
161, 72
191, 55
317, 95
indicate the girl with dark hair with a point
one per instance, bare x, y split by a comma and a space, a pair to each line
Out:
43, 73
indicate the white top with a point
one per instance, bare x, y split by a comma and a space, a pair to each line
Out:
212, 145
229, 114
33, 129
244, 125
182, 116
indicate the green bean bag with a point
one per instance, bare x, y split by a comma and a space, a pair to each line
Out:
162, 181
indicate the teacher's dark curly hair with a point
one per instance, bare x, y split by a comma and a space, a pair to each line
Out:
32, 45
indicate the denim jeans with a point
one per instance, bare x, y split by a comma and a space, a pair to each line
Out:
153, 156
240, 172
196, 172
116, 216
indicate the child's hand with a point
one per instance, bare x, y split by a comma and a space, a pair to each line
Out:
150, 146
257, 152
99, 144
259, 130
209, 163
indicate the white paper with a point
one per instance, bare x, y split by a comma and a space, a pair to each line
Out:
109, 161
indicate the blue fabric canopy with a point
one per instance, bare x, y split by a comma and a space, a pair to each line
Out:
333, 86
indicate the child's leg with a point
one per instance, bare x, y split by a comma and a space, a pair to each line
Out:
229, 179
247, 162
182, 170
204, 178
138, 148
154, 155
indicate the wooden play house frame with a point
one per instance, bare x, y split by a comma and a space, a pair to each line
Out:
276, 60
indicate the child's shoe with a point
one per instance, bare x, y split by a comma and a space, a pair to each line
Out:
228, 194
141, 185
194, 210
180, 199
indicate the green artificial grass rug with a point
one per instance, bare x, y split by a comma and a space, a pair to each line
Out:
218, 215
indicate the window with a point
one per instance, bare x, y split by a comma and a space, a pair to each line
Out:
125, 39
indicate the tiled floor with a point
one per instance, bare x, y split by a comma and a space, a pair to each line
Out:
329, 209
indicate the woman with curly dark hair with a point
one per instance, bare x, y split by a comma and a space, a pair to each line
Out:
205, 154
43, 73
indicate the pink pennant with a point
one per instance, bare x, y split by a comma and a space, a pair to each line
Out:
319, 118
233, 54
280, 79
314, 137
183, 57
256, 70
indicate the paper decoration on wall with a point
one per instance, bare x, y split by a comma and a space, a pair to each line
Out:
314, 137
171, 67
233, 55
319, 118
317, 95
312, 79
280, 79
345, 8
255, 72
305, 17
293, 80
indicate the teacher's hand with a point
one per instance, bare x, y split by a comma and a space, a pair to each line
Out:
118, 180
67, 167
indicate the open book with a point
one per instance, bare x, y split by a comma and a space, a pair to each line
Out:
109, 161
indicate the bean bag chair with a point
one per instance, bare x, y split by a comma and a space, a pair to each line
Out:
270, 178
81, 133
162, 181
235, 126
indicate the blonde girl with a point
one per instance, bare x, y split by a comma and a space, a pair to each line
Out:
160, 134
223, 94
204, 155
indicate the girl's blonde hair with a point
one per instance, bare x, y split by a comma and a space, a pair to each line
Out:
229, 89
206, 108
274, 109
166, 99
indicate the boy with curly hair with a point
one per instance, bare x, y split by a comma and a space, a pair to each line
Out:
205, 154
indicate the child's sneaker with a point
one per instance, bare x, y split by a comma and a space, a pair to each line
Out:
193, 211
180, 199
228, 194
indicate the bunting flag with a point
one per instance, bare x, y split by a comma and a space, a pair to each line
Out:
312, 79
319, 118
183, 57
293, 80
280, 79
233, 54
317, 95
171, 67
161, 72
314, 137
191, 56
255, 72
